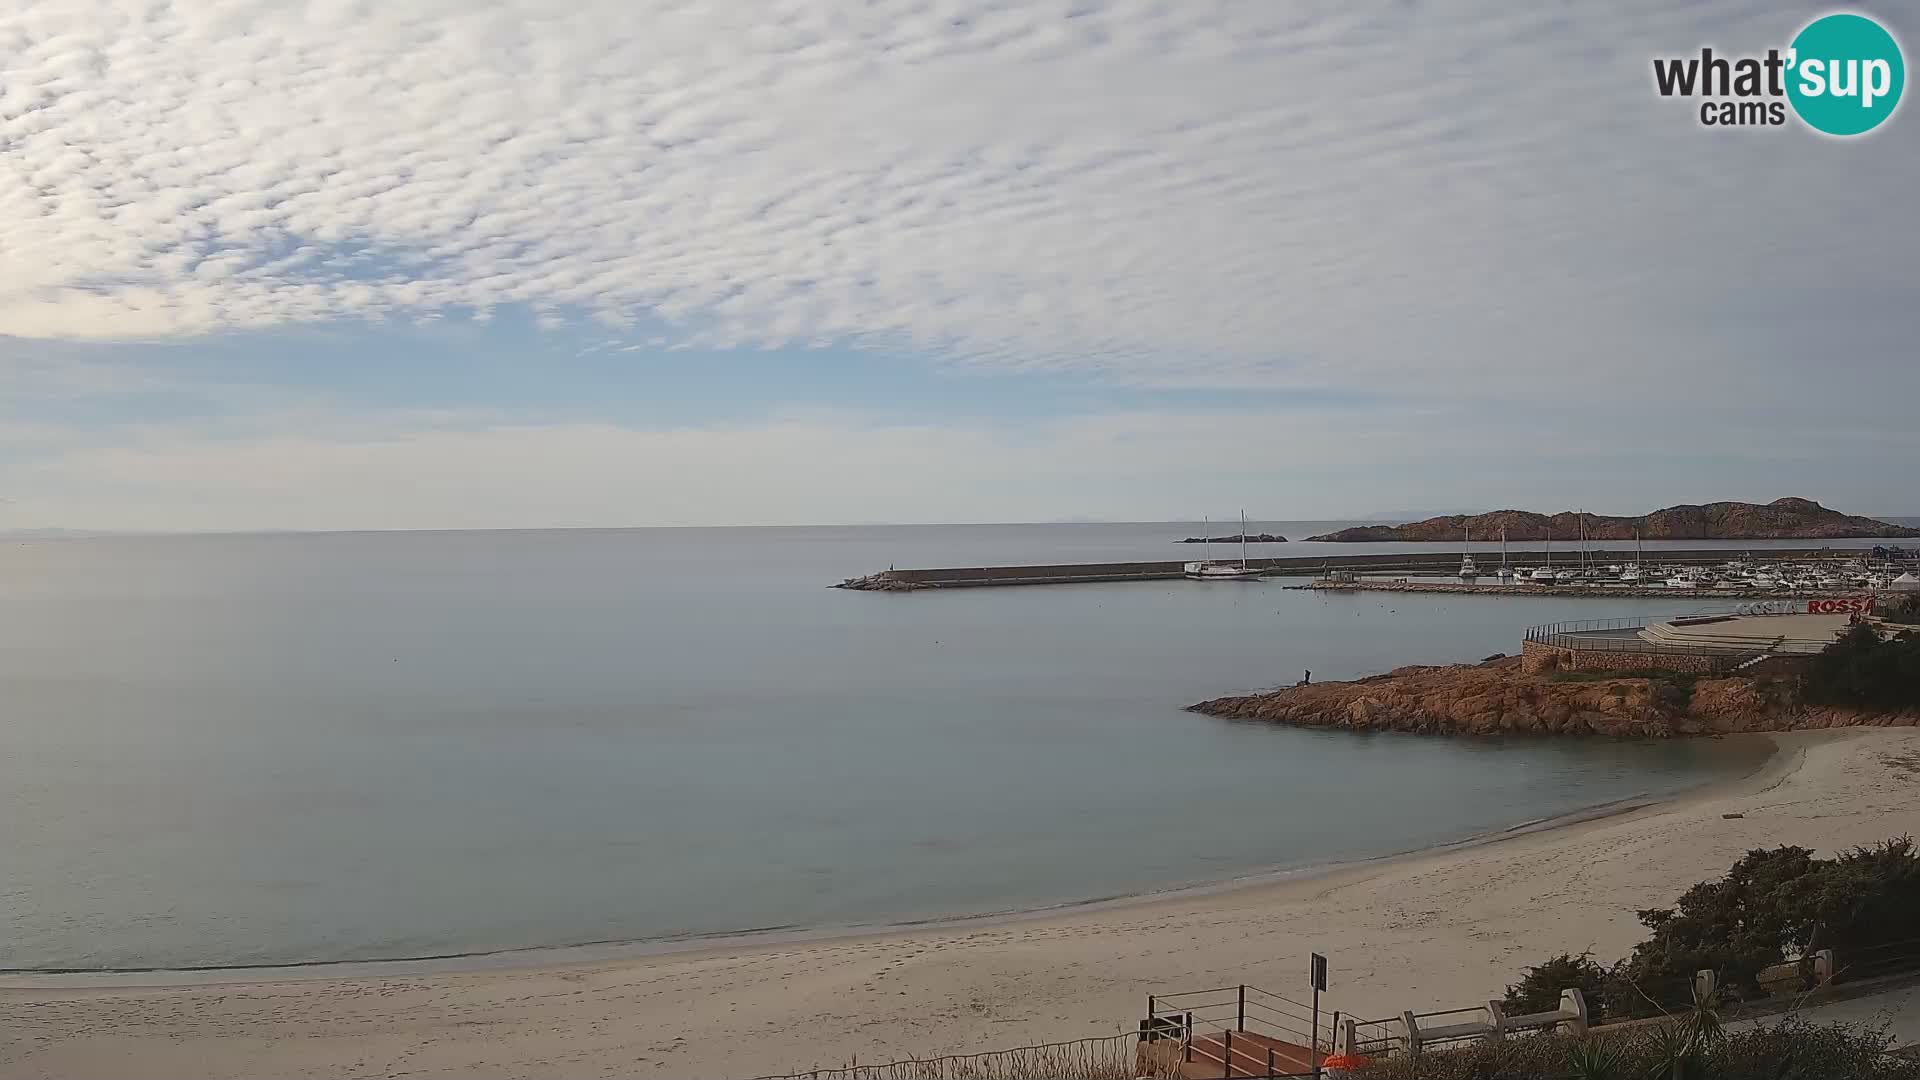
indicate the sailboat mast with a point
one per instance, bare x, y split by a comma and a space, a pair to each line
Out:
1243, 539
1206, 539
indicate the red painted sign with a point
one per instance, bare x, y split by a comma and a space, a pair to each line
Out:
1840, 605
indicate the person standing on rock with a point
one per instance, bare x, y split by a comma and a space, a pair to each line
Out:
1307, 679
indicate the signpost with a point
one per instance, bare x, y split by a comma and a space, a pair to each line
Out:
1318, 974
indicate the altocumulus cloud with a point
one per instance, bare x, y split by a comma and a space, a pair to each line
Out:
1196, 192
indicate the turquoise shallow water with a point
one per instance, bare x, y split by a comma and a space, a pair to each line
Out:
300, 748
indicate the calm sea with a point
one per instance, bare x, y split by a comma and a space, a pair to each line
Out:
294, 748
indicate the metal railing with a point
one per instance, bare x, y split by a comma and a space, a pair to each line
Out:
1591, 635
1602, 635
1375, 1038
1276, 1035
1445, 1026
1873, 961
1107, 1057
1585, 634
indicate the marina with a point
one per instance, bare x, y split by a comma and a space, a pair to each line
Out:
1603, 591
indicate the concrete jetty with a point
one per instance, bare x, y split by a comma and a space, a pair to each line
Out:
1423, 562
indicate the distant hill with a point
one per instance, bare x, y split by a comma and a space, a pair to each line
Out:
1407, 515
1781, 519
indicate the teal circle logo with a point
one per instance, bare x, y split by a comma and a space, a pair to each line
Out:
1845, 74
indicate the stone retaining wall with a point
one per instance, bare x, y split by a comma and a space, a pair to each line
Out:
1537, 657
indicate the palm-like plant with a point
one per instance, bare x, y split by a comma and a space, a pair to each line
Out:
1680, 1048
1593, 1061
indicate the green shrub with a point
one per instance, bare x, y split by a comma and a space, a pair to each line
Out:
1866, 670
1674, 692
1735, 926
1791, 1050
1773, 905
1539, 987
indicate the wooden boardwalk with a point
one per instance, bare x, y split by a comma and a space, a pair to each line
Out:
1245, 1054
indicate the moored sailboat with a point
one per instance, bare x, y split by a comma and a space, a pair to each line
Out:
1546, 575
1630, 574
1208, 570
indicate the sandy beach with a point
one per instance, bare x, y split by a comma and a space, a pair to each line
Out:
1444, 928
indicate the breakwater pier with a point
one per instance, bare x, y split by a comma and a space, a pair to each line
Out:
1416, 563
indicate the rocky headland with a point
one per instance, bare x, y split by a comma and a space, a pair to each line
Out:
1781, 519
1496, 697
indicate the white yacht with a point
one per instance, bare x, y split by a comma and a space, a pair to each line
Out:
1468, 571
1505, 572
1687, 579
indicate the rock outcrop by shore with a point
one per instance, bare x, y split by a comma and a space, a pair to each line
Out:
879, 583
1781, 519
1495, 697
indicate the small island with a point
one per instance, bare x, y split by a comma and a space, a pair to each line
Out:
1251, 538
1781, 519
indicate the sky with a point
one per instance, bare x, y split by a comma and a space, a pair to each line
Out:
492, 263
